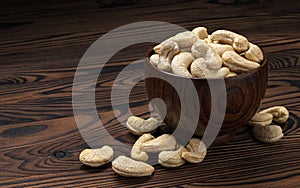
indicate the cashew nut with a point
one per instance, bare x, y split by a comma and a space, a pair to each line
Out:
280, 113
154, 59
185, 39
268, 133
196, 151
239, 42
261, 119
221, 48
171, 158
136, 153
96, 157
128, 167
138, 126
167, 51
254, 53
199, 69
165, 142
181, 62
230, 74
237, 63
201, 32
202, 50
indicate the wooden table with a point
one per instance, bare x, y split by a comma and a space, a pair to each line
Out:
41, 45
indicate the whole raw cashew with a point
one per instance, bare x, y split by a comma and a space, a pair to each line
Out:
180, 64
202, 50
199, 69
268, 133
138, 126
254, 53
164, 142
127, 167
96, 157
196, 151
154, 59
230, 74
136, 153
280, 113
237, 63
221, 48
201, 32
239, 42
171, 158
168, 50
185, 40
261, 119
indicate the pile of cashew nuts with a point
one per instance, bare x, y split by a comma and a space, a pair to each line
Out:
199, 55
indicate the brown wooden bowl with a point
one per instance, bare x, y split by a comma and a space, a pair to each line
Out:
244, 95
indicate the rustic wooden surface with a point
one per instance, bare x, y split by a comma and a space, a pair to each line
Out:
41, 45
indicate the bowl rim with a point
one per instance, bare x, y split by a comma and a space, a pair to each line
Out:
242, 75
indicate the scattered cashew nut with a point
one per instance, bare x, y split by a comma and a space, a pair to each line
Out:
237, 63
180, 64
268, 133
165, 142
138, 126
196, 151
96, 157
171, 158
136, 153
127, 167
239, 42
280, 113
261, 119
202, 50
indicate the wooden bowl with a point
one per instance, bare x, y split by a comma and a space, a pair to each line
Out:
244, 95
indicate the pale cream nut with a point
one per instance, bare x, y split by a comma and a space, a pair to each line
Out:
136, 153
165, 142
201, 32
199, 69
261, 119
180, 64
254, 53
196, 151
154, 59
139, 126
127, 167
96, 157
280, 113
237, 63
171, 158
268, 133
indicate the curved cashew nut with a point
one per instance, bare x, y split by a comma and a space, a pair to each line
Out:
127, 167
138, 126
196, 151
203, 50
254, 53
136, 153
154, 59
199, 69
239, 42
237, 63
96, 157
262, 119
280, 113
168, 50
221, 48
164, 142
181, 62
268, 133
200, 32
230, 74
184, 39
171, 158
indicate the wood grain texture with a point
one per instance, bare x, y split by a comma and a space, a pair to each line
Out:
41, 44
